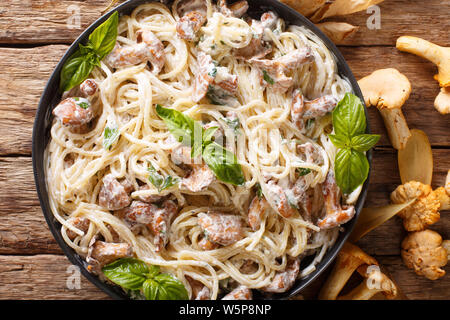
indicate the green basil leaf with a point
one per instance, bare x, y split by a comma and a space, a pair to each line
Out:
339, 141
151, 289
364, 142
303, 171
224, 164
348, 116
153, 271
159, 181
351, 169
267, 78
208, 134
196, 149
181, 126
170, 288
129, 273
76, 69
110, 136
164, 286
103, 38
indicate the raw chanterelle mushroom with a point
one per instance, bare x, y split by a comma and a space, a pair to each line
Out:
351, 259
415, 160
443, 194
337, 31
423, 211
388, 89
425, 252
442, 102
438, 55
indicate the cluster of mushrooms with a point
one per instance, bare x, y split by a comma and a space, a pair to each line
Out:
414, 201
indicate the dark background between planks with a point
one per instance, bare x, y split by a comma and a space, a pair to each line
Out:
33, 37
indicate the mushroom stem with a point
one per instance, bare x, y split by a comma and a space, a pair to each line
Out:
420, 47
375, 281
396, 126
349, 259
440, 56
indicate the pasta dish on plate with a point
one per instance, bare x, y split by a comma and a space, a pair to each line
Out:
196, 147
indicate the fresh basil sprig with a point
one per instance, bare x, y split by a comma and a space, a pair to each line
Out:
160, 182
351, 167
190, 132
80, 64
133, 274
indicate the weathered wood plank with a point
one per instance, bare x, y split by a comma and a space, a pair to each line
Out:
43, 277
49, 277
47, 21
51, 21
23, 229
27, 70
24, 75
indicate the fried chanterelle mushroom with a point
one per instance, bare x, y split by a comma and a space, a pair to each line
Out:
422, 212
350, 259
388, 89
423, 252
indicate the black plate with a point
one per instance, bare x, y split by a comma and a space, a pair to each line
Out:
51, 96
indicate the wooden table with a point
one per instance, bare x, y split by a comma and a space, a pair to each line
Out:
33, 37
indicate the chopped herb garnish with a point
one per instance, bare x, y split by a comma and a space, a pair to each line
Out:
159, 181
258, 190
110, 136
303, 171
213, 72
267, 78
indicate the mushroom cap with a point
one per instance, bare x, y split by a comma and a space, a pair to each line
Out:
422, 251
442, 102
443, 197
385, 88
422, 212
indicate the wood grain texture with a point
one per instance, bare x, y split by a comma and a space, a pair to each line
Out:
43, 277
398, 18
23, 229
49, 21
24, 75
26, 71
49, 277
